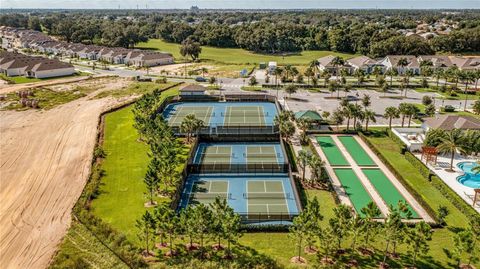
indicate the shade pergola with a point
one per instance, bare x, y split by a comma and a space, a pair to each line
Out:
430, 154
475, 195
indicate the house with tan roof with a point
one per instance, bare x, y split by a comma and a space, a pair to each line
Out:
450, 122
143, 58
365, 63
442, 62
14, 64
326, 63
391, 61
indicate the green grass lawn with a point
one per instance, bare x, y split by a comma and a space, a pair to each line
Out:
122, 192
80, 244
460, 95
239, 56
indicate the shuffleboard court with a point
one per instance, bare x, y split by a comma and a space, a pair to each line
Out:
386, 189
266, 196
245, 116
356, 151
334, 155
354, 188
205, 191
203, 113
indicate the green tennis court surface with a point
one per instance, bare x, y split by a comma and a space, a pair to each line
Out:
201, 112
334, 156
244, 116
386, 189
354, 188
216, 154
206, 191
266, 196
356, 151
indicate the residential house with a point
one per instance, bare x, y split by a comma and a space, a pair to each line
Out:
52, 68
442, 62
392, 61
366, 64
450, 122
466, 63
325, 63
142, 58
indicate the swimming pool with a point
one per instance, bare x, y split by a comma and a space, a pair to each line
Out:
469, 178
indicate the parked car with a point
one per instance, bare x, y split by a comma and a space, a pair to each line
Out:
200, 79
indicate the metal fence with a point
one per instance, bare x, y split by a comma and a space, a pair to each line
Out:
260, 168
219, 130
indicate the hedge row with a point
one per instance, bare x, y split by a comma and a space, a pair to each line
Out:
446, 191
402, 180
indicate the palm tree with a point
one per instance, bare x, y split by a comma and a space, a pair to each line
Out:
452, 143
402, 63
337, 118
466, 77
314, 66
412, 111
366, 101
408, 74
316, 165
204, 70
360, 75
403, 111
357, 114
326, 77
303, 160
438, 73
392, 72
287, 129
368, 115
277, 72
391, 112
336, 62
334, 87
190, 125
309, 73
290, 89
348, 112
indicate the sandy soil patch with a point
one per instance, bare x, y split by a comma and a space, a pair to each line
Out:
44, 164
170, 68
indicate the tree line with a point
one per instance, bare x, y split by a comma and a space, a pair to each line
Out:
368, 33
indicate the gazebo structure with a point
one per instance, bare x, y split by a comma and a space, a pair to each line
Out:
310, 115
430, 154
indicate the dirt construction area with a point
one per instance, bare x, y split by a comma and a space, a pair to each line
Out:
45, 160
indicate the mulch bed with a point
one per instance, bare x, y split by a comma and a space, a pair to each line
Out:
298, 260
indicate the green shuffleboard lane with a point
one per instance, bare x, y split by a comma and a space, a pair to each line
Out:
356, 151
354, 188
386, 189
334, 156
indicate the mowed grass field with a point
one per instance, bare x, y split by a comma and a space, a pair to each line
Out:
122, 191
239, 56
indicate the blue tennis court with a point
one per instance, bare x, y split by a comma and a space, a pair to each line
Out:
248, 195
223, 113
239, 153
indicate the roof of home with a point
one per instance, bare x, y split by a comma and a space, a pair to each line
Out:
412, 60
308, 114
450, 122
437, 61
193, 88
324, 61
361, 61
50, 65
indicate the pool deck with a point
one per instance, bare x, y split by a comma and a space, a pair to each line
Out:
343, 196
450, 178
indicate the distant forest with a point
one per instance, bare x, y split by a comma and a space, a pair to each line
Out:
374, 33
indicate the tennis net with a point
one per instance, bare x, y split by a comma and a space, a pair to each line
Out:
266, 195
242, 114
202, 195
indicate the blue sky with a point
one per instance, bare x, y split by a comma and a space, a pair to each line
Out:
250, 4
